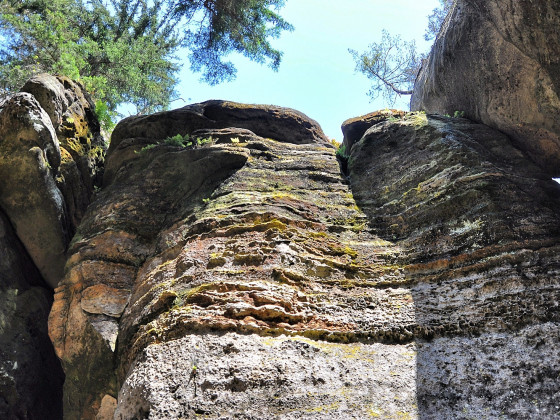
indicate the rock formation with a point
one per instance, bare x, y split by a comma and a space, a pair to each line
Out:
239, 278
228, 268
499, 63
479, 228
51, 155
240, 269
30, 374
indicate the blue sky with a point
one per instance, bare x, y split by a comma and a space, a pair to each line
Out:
317, 75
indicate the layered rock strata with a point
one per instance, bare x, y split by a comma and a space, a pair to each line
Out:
499, 63
231, 280
243, 278
479, 228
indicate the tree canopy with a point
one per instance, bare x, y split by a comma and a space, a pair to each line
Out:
125, 51
393, 64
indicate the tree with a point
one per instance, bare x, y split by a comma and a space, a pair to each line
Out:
125, 51
436, 19
393, 64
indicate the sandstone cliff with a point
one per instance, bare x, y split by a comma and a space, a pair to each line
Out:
228, 268
51, 154
479, 228
499, 62
243, 277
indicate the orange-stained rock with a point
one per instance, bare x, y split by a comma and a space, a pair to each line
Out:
104, 300
257, 286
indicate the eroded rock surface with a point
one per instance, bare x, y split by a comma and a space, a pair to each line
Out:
479, 228
51, 156
245, 279
269, 121
30, 373
242, 251
499, 62
354, 128
82, 145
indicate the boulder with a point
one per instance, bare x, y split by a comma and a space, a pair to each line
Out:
72, 113
354, 128
28, 194
478, 224
499, 63
278, 123
53, 158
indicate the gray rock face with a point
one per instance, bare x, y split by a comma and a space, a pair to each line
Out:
51, 155
254, 377
82, 145
246, 280
478, 224
499, 62
30, 373
28, 194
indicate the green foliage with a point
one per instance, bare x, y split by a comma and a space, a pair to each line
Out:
186, 141
124, 51
240, 26
341, 152
459, 114
178, 140
147, 147
105, 116
393, 64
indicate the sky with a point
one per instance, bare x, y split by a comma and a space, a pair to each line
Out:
317, 74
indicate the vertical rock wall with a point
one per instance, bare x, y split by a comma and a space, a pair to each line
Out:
236, 279
51, 155
242, 277
479, 228
30, 374
498, 62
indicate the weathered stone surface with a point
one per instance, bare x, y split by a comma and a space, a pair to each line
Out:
354, 128
257, 286
258, 238
479, 227
282, 124
499, 62
30, 374
254, 377
82, 146
28, 193
51, 154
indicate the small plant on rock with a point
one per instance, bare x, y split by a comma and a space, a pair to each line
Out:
178, 140
341, 152
146, 148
